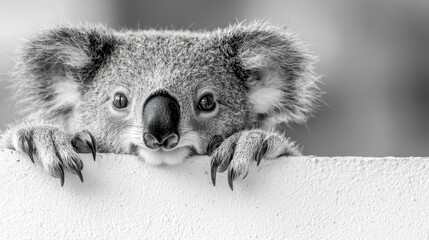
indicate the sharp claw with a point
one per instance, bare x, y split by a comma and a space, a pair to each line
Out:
77, 166
30, 154
77, 163
214, 143
61, 175
214, 166
245, 175
30, 149
231, 179
92, 145
79, 173
261, 152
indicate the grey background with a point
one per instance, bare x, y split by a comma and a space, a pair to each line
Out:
374, 55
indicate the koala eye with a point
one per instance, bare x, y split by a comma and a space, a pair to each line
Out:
120, 101
207, 103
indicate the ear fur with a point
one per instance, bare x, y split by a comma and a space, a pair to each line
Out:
53, 66
278, 72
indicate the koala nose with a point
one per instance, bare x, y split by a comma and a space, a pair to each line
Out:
161, 116
154, 142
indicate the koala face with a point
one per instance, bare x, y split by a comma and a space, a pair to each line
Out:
165, 94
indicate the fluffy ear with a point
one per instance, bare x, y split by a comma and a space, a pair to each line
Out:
276, 69
53, 67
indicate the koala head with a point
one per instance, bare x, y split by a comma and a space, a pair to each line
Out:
165, 94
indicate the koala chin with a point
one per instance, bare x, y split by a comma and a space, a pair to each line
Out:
161, 95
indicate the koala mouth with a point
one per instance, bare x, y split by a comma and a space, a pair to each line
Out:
162, 156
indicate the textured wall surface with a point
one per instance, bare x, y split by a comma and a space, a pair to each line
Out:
287, 198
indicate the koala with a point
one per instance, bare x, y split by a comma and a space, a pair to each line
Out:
161, 95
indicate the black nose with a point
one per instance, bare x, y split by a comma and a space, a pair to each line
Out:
161, 116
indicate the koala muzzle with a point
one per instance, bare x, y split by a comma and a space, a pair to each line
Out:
161, 116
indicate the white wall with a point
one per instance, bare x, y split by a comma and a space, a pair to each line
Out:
288, 198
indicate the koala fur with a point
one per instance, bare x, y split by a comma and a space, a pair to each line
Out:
66, 79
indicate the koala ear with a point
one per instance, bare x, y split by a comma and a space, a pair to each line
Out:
275, 68
53, 67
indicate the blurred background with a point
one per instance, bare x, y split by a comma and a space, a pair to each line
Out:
374, 55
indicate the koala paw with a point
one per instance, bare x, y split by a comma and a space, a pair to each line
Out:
54, 148
236, 153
